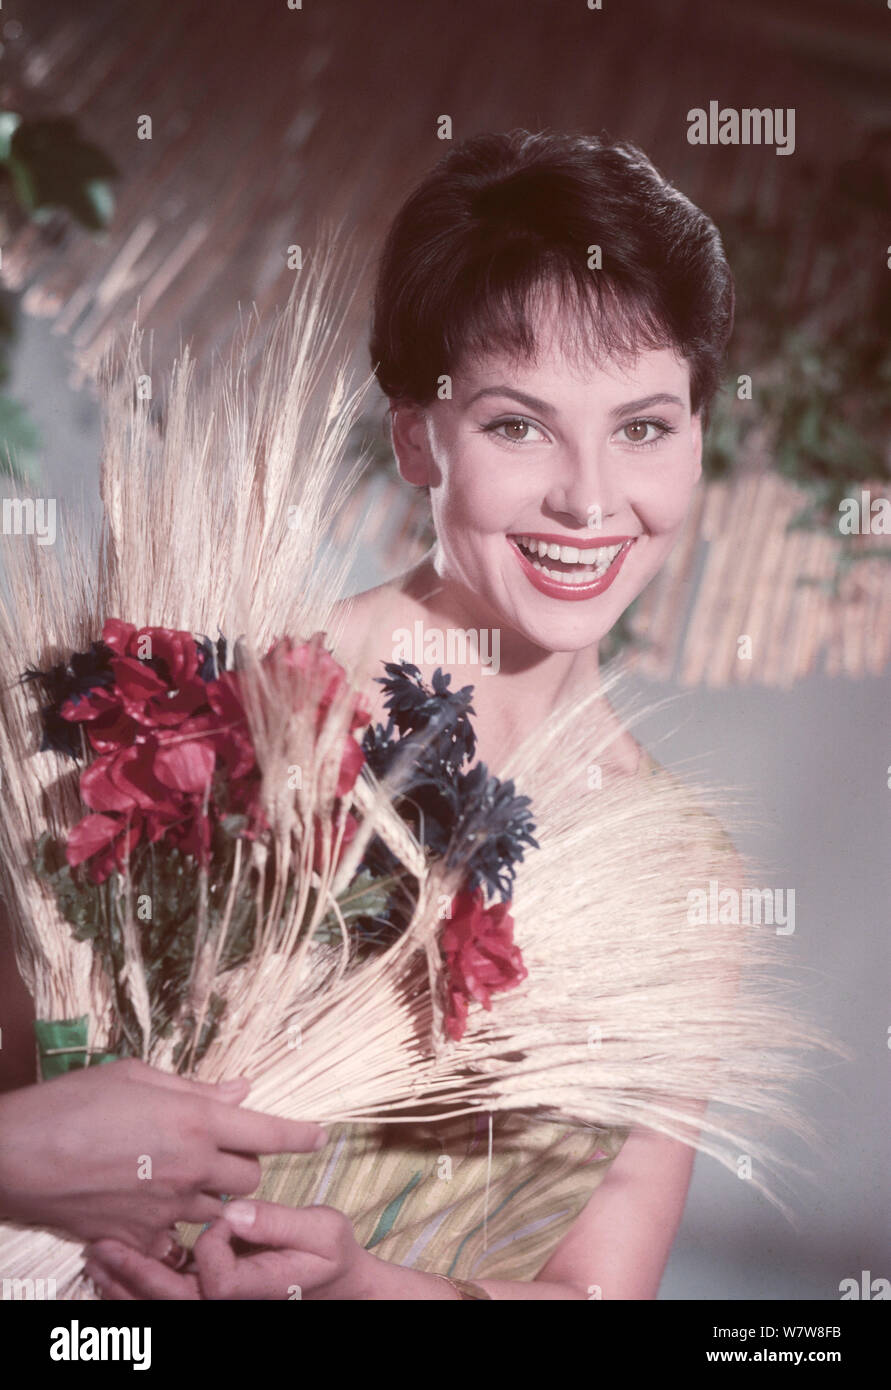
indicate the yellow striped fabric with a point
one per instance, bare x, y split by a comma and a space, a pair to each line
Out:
417, 1193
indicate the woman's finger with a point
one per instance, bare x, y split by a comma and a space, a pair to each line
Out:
231, 1092
215, 1260
203, 1207
141, 1276
314, 1230
247, 1131
107, 1287
233, 1174
270, 1275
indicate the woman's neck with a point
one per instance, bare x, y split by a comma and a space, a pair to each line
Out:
431, 622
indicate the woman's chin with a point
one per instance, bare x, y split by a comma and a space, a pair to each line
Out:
564, 633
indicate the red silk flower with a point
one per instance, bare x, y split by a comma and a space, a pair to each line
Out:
477, 944
170, 742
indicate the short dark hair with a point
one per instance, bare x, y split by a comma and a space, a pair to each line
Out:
504, 216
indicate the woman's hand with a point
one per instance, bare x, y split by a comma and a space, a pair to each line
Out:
310, 1253
123, 1151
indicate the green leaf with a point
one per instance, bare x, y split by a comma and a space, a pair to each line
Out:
366, 896
99, 197
9, 123
19, 435
23, 183
54, 167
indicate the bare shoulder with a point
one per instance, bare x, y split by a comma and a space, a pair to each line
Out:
362, 635
362, 624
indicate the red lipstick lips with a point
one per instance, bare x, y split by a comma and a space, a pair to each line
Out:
592, 540
574, 592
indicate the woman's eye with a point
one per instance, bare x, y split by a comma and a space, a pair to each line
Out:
516, 430
638, 431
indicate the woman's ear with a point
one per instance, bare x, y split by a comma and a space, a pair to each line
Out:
411, 443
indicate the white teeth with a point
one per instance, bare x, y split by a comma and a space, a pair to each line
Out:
595, 560
585, 576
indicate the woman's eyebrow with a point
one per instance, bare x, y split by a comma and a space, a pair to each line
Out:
533, 402
661, 398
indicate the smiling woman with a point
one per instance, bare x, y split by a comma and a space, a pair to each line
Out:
549, 324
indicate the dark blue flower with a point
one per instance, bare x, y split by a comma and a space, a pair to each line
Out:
69, 680
456, 814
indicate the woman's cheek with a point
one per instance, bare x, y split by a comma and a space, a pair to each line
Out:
475, 507
663, 506
460, 534
477, 495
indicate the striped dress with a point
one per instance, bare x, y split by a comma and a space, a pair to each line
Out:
426, 1196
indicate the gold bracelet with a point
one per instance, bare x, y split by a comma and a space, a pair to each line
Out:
465, 1289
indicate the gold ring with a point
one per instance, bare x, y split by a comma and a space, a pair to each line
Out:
176, 1254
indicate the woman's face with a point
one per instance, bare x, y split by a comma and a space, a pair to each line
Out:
601, 462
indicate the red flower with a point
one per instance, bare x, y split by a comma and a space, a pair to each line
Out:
175, 651
123, 781
186, 766
232, 739
350, 766
101, 709
164, 692
326, 680
105, 840
325, 676
163, 734
477, 944
145, 696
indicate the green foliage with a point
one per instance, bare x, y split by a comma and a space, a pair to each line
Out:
814, 333
48, 165
19, 437
364, 910
168, 933
45, 167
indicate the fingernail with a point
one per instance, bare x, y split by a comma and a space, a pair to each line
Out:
321, 1139
239, 1214
231, 1086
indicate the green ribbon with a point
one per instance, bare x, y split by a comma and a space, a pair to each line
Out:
62, 1046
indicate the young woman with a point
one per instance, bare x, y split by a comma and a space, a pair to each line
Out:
549, 324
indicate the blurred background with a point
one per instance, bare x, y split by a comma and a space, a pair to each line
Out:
268, 126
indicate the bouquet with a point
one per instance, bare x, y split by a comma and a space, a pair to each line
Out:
208, 876
175, 877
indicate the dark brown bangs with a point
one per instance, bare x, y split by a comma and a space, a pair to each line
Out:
499, 236
503, 307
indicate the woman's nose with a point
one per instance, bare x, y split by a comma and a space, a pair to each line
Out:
584, 487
